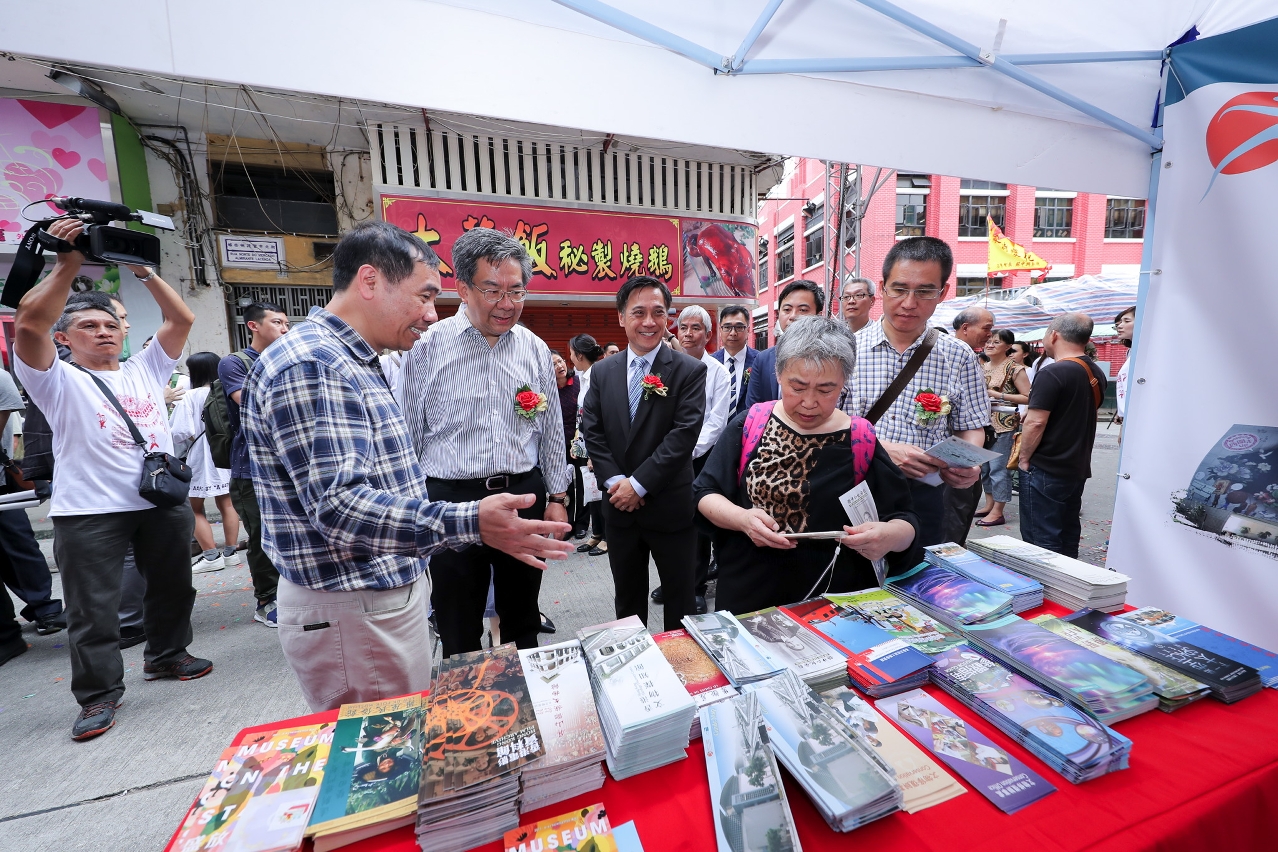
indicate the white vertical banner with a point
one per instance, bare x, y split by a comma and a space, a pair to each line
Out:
1196, 516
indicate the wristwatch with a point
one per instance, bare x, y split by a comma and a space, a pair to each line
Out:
562, 501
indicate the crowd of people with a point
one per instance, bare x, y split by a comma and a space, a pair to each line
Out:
398, 476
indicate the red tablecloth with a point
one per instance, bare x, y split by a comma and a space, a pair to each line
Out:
1202, 778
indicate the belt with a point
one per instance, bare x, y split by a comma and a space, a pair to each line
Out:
496, 482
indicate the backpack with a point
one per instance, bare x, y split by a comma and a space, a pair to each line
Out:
217, 420
862, 439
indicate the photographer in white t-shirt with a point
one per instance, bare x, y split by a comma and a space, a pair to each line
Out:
96, 509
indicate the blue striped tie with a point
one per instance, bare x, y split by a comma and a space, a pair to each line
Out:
638, 369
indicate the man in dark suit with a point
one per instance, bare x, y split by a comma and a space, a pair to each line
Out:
640, 435
799, 298
735, 355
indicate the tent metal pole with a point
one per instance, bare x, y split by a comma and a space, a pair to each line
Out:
926, 63
1006, 68
628, 23
765, 17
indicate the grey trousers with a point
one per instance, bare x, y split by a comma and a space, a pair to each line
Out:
90, 553
365, 645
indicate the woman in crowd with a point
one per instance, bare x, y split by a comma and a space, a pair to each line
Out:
801, 453
1124, 329
569, 390
585, 352
1009, 387
187, 425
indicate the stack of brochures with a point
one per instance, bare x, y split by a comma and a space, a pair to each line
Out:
1228, 679
846, 780
1065, 738
1066, 581
787, 644
901, 620
698, 673
1179, 627
1109, 690
560, 688
747, 798
1026, 592
950, 597
645, 710
480, 730
1173, 689
877, 662
734, 650
923, 783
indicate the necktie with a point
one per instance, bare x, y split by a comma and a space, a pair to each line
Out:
732, 380
638, 369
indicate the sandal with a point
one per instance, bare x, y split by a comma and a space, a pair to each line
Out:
987, 523
589, 545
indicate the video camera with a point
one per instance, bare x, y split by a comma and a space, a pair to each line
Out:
100, 242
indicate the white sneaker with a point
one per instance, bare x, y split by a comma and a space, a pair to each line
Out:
209, 560
230, 557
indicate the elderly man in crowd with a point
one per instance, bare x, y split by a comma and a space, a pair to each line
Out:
481, 402
344, 507
799, 298
855, 302
96, 406
945, 393
972, 326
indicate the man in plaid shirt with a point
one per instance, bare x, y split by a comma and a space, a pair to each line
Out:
914, 280
345, 513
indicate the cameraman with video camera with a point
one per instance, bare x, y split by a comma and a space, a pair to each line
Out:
97, 510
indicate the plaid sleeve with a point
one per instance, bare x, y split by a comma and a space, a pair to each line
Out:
322, 435
971, 407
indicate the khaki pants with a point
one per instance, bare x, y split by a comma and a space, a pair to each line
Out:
364, 645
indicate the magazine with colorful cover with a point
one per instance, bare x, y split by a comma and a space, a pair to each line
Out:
747, 797
923, 783
786, 644
559, 686
963, 561
698, 673
261, 793
999, 777
874, 656
583, 830
734, 650
946, 593
374, 766
900, 619
1179, 627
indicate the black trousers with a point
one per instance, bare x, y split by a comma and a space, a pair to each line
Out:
705, 539
10, 630
23, 567
960, 508
929, 505
674, 552
90, 554
265, 576
459, 579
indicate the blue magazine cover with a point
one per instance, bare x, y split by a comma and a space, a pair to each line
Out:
1179, 627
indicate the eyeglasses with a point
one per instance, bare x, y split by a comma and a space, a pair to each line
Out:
856, 297
925, 294
733, 327
492, 297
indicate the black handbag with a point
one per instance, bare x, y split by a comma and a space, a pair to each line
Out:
166, 479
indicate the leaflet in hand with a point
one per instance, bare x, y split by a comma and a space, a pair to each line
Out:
959, 453
861, 509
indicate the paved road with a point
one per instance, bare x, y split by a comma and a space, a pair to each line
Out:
128, 790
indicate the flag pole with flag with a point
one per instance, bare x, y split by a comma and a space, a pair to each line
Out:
1007, 256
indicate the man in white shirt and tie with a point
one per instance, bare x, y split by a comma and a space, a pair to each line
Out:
735, 356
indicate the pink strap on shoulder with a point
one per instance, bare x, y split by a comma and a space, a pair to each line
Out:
752, 431
862, 439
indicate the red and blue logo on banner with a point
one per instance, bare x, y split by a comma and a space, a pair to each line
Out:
1243, 134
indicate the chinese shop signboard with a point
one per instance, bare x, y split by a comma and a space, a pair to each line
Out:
591, 252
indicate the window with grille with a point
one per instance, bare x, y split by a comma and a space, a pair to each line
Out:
973, 211
1053, 218
785, 253
969, 286
814, 238
273, 199
911, 204
1124, 219
763, 270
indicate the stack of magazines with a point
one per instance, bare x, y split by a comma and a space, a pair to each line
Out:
950, 597
747, 798
1109, 690
480, 731
1173, 689
698, 673
901, 621
842, 775
877, 662
1229, 680
1066, 739
737, 653
787, 644
645, 710
1066, 581
1026, 593
560, 689
1179, 627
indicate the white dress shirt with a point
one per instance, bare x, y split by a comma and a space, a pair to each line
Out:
718, 388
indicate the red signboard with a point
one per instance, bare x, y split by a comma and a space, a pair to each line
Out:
590, 252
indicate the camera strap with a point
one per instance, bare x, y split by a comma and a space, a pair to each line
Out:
28, 263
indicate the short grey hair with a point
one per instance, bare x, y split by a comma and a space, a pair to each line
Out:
69, 312
696, 312
868, 284
1074, 328
493, 246
971, 315
818, 340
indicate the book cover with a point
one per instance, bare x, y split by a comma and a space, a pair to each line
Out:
260, 794
627, 665
967, 601
582, 830
559, 686
1179, 627
698, 673
734, 650
786, 644
875, 655
900, 619
965, 562
374, 765
999, 777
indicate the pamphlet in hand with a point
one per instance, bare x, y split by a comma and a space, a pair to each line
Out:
859, 504
959, 453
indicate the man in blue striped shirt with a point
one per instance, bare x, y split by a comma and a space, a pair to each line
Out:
345, 512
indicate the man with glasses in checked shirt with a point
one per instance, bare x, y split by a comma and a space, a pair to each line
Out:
914, 281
